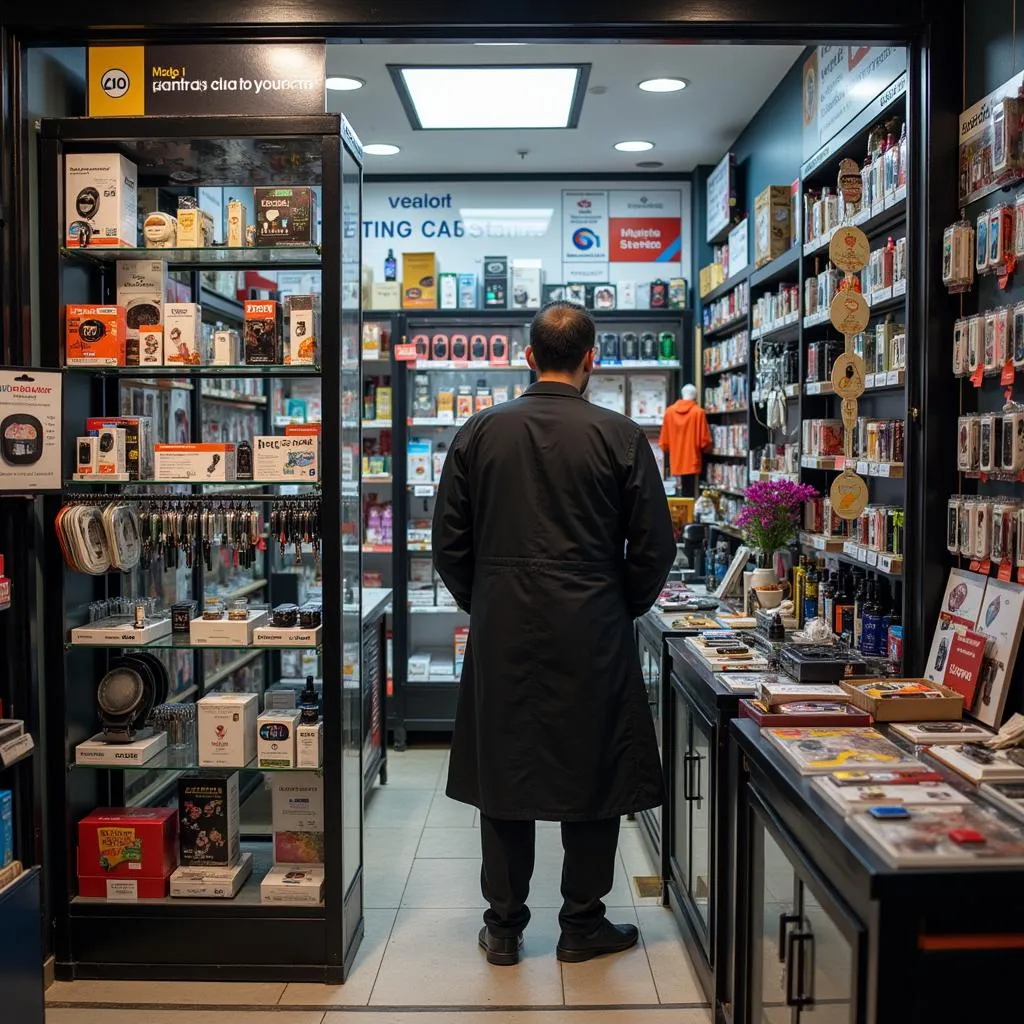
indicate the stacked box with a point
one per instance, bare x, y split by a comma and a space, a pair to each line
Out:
208, 813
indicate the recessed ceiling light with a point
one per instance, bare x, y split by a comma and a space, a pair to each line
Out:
491, 96
634, 147
663, 84
342, 83
381, 149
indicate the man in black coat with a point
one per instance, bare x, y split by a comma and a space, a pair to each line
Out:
552, 530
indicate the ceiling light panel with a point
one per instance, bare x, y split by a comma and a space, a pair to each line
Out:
491, 96
343, 83
663, 84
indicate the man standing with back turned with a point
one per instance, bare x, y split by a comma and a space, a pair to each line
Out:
552, 530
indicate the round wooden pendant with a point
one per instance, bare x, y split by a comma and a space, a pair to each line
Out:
851, 185
849, 407
849, 312
848, 376
849, 495
849, 249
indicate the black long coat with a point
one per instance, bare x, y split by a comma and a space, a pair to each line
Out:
552, 530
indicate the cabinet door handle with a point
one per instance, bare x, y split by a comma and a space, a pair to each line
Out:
785, 920
800, 969
696, 776
686, 776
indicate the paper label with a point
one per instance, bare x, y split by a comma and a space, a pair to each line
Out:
123, 889
16, 749
405, 353
423, 490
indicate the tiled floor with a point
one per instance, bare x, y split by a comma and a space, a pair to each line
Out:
422, 916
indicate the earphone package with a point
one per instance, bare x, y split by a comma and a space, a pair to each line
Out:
100, 200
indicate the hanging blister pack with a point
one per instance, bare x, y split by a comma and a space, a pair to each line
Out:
960, 361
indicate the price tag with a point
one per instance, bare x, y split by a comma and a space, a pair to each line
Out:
869, 380
872, 558
122, 889
865, 469
975, 565
978, 376
1005, 570
405, 353
884, 468
893, 377
16, 749
1020, 573
423, 490
899, 288
877, 207
986, 566
446, 417
862, 554
1007, 376
814, 388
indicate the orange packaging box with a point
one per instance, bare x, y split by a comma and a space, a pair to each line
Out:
95, 335
419, 280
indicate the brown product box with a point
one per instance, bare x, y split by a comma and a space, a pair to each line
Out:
947, 708
95, 336
419, 280
772, 223
263, 333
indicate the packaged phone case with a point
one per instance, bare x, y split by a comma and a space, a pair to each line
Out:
1020, 536
990, 441
989, 349
1013, 439
1002, 339
981, 529
966, 519
1017, 328
953, 509
981, 243
975, 329
1018, 226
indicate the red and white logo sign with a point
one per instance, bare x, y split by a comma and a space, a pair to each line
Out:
644, 239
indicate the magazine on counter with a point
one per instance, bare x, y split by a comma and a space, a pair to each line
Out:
848, 799
924, 734
1008, 796
817, 751
982, 764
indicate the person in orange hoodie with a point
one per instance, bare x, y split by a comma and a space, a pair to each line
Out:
685, 437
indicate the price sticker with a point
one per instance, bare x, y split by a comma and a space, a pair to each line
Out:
423, 490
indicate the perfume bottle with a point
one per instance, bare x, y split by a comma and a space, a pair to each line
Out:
390, 268
309, 704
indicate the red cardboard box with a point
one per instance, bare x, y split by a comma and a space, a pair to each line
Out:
122, 842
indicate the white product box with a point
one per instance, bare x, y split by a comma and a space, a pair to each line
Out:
101, 195
278, 636
105, 632
237, 222
275, 738
86, 457
111, 454
227, 729
226, 349
449, 291
187, 462
226, 632
195, 229
385, 295
141, 287
626, 298
182, 333
527, 278
298, 802
309, 745
418, 462
208, 882
303, 330
419, 666
467, 291
294, 458
96, 750
293, 884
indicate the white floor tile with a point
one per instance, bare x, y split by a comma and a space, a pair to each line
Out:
415, 769
674, 975
356, 991
612, 980
388, 855
444, 884
167, 993
449, 842
433, 959
448, 813
389, 807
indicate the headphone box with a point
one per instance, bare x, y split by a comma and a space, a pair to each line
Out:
141, 289
100, 200
95, 335
138, 432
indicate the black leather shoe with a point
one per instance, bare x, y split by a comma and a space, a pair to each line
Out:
606, 938
502, 951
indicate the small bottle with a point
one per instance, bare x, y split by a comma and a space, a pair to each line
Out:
871, 627
390, 268
860, 598
243, 461
828, 600
309, 704
811, 582
843, 609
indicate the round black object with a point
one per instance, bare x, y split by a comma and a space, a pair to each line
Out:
21, 439
286, 616
91, 331
161, 677
87, 202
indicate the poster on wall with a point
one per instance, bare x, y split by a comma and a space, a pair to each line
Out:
584, 226
645, 226
30, 431
839, 82
721, 196
988, 159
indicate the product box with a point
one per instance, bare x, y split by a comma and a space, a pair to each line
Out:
285, 216
195, 228
292, 458
448, 291
419, 666
419, 280
297, 818
385, 295
211, 882
905, 700
237, 219
495, 282
227, 632
6, 827
182, 328
111, 462
141, 291
226, 349
146, 348
275, 738
293, 885
138, 431
96, 750
263, 333
461, 641
417, 462
209, 819
100, 200
188, 462
227, 729
527, 280
677, 292
468, 298
95, 336
772, 223
303, 330
106, 632
123, 842
309, 745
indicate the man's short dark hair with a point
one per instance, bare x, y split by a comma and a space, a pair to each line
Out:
561, 335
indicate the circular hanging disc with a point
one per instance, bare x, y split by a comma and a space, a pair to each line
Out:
849, 312
849, 249
849, 495
848, 376
849, 406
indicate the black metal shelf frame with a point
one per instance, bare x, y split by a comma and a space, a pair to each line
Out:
244, 940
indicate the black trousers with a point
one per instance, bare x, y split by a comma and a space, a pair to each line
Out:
588, 871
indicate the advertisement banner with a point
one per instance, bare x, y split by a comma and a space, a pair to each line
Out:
720, 197
645, 227
839, 82
585, 226
230, 78
30, 430
986, 161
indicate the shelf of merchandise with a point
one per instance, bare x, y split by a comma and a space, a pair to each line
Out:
726, 412
779, 269
725, 287
429, 705
726, 369
728, 327
244, 939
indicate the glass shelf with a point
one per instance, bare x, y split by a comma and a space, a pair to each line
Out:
236, 485
219, 257
166, 761
182, 643
235, 370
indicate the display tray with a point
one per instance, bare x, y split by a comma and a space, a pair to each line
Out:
743, 682
847, 799
980, 764
804, 713
817, 751
959, 836
1008, 796
894, 700
926, 734
776, 692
